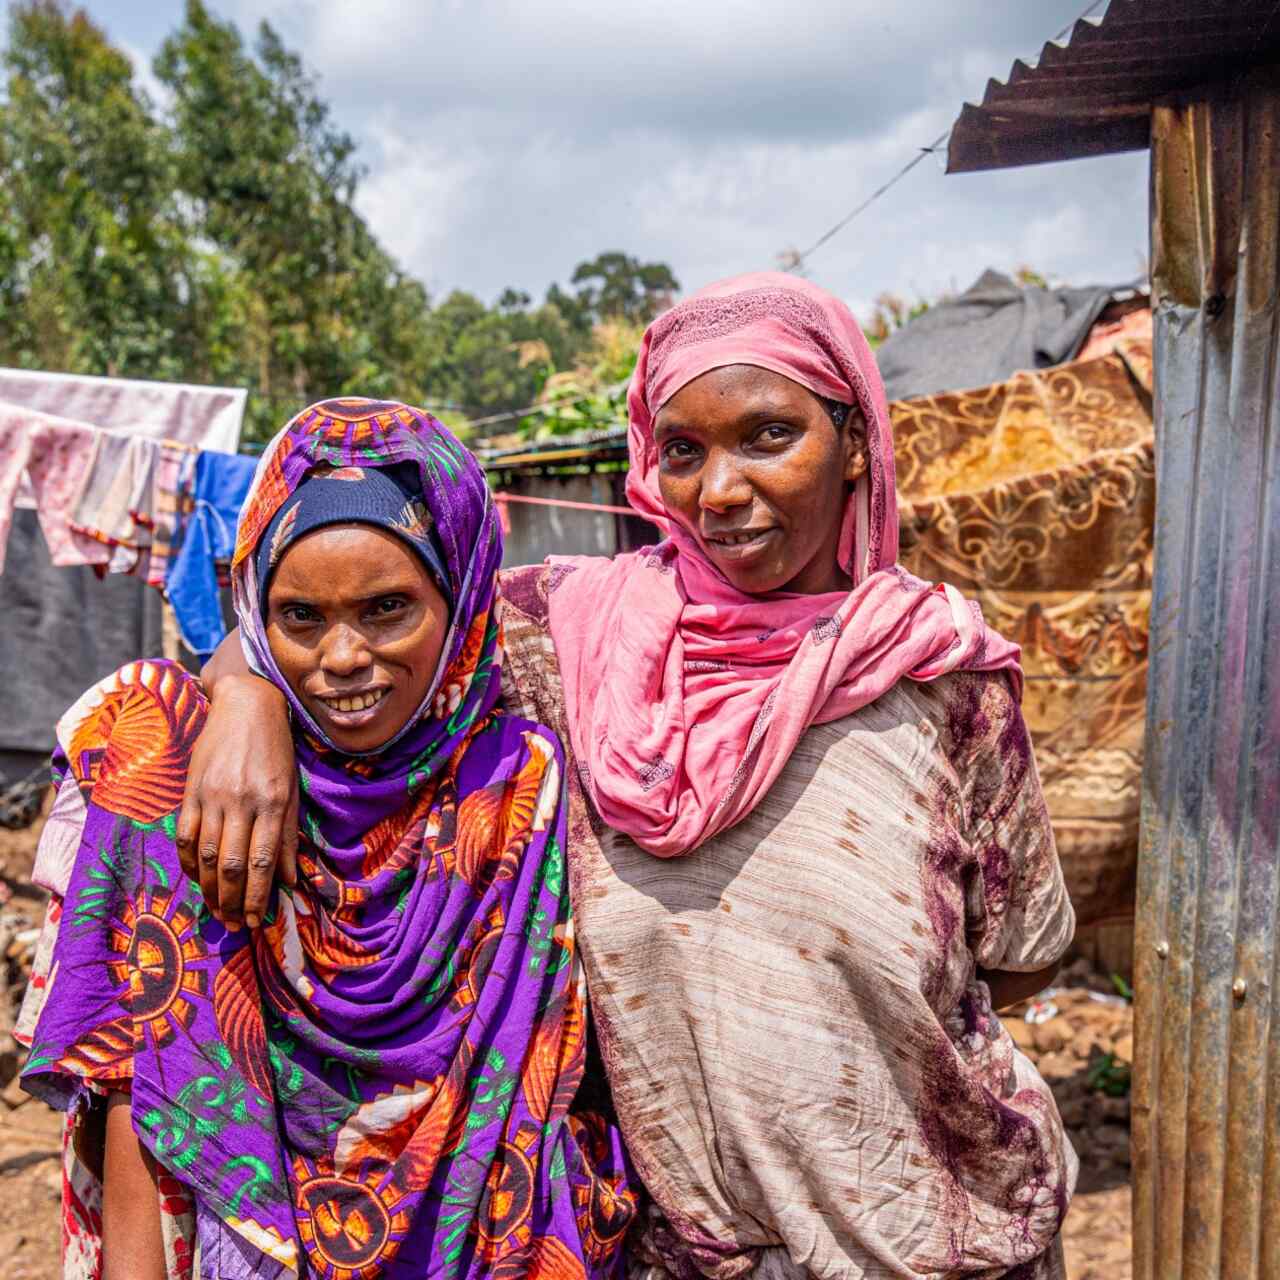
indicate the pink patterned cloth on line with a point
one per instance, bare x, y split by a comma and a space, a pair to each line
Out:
58, 455
685, 696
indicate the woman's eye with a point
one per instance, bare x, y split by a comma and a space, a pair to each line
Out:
774, 433
678, 450
298, 614
388, 607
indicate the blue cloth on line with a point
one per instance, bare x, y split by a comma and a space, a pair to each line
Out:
219, 489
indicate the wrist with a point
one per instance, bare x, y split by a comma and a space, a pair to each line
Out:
248, 687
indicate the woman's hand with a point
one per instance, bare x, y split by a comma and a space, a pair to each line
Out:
1009, 988
240, 812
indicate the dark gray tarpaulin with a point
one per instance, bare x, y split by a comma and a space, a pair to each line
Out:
60, 630
990, 331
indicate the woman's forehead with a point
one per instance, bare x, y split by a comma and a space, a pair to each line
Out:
347, 551
736, 390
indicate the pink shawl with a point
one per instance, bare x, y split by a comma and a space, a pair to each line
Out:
685, 697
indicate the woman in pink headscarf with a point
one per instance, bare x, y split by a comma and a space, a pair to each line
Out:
808, 850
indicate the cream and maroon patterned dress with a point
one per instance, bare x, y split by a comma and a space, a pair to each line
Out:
807, 1071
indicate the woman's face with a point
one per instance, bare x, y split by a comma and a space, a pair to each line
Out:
356, 626
753, 466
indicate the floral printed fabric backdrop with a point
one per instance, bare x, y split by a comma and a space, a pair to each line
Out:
1037, 496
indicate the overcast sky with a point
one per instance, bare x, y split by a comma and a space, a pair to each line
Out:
506, 140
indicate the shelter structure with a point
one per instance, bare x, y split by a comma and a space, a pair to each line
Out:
1198, 82
566, 497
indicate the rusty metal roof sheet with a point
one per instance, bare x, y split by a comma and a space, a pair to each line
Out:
1093, 95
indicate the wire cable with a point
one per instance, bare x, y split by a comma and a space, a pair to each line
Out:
796, 260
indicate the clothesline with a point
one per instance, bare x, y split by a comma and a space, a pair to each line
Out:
500, 498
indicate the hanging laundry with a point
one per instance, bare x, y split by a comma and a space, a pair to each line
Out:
102, 513
169, 505
13, 466
203, 417
57, 456
221, 483
140, 505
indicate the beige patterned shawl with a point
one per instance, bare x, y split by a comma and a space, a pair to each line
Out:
806, 1071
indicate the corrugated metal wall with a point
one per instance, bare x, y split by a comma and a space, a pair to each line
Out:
1207, 1091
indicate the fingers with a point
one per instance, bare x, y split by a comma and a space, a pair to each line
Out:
289, 840
187, 836
233, 869
206, 846
233, 856
263, 845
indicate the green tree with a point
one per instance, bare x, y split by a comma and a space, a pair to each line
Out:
96, 271
615, 286
271, 182
216, 240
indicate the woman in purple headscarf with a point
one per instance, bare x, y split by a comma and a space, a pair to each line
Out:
377, 1076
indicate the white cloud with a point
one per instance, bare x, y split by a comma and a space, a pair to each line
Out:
508, 140
145, 77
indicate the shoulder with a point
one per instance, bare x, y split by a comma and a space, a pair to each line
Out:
522, 593
987, 749
176, 699
972, 713
531, 685
525, 591
510, 732
512, 747
964, 731
129, 737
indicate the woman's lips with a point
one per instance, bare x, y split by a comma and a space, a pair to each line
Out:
352, 710
740, 547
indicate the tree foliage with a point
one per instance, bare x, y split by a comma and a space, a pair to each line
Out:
214, 237
614, 286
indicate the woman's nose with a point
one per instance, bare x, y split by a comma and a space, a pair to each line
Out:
723, 484
345, 651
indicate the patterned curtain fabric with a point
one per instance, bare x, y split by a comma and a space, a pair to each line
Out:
1036, 496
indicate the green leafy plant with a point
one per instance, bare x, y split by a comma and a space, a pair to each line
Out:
1107, 1074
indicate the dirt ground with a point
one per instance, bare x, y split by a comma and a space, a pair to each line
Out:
1086, 1022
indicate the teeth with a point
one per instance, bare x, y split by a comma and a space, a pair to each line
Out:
359, 703
737, 539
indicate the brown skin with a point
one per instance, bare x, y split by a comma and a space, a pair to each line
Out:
741, 449
1012, 988
132, 1245
744, 451
351, 611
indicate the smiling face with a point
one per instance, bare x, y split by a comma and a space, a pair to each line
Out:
356, 626
752, 465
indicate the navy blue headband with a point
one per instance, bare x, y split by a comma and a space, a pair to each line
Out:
378, 496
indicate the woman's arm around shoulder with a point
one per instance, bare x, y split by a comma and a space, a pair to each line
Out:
239, 813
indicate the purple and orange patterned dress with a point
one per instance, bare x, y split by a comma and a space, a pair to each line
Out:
381, 1080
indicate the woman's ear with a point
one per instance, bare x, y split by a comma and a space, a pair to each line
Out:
856, 461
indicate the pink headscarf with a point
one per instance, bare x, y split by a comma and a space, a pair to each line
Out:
686, 697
